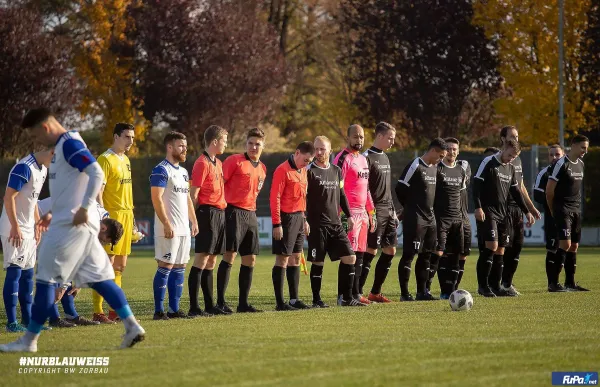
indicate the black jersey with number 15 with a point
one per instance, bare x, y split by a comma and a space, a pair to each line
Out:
569, 178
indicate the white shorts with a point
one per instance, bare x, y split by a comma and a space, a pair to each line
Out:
23, 256
69, 253
174, 251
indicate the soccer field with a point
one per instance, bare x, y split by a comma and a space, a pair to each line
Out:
504, 341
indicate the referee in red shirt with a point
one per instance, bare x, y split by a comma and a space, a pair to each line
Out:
244, 177
208, 196
288, 203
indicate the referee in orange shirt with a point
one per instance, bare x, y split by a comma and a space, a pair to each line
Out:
244, 177
208, 195
288, 203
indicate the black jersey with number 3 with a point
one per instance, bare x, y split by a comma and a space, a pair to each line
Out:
325, 195
380, 181
450, 183
493, 183
416, 190
518, 177
569, 178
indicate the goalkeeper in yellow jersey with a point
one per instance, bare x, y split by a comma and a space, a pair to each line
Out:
116, 196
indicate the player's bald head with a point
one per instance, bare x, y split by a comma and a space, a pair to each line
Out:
354, 128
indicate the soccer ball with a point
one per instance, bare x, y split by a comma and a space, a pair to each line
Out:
461, 300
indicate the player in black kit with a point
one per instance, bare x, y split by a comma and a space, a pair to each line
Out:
324, 197
451, 180
515, 220
494, 181
467, 233
489, 151
563, 194
555, 152
380, 186
416, 192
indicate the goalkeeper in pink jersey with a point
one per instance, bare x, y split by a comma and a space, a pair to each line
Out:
355, 172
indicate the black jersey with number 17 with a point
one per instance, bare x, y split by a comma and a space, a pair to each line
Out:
569, 178
416, 190
380, 180
450, 183
325, 195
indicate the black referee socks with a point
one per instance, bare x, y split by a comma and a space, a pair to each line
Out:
245, 283
222, 281
206, 281
293, 278
278, 276
194, 287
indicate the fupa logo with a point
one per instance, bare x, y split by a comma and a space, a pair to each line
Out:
574, 378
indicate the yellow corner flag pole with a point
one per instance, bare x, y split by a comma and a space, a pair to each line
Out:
303, 264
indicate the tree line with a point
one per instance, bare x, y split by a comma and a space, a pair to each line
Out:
298, 68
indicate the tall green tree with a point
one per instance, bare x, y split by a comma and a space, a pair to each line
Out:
589, 68
417, 62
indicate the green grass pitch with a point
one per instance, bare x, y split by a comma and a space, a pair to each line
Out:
501, 342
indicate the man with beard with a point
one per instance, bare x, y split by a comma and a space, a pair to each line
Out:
563, 194
173, 212
116, 195
355, 172
380, 186
515, 221
208, 195
244, 176
324, 198
288, 204
416, 192
494, 181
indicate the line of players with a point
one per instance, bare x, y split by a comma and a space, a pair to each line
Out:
432, 190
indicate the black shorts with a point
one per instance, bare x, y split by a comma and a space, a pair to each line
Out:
450, 235
242, 231
568, 225
550, 232
516, 226
293, 234
419, 236
211, 223
494, 231
466, 236
327, 239
385, 234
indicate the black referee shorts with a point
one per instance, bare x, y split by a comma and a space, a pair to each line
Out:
450, 235
242, 231
293, 234
385, 234
550, 232
419, 236
327, 239
568, 224
516, 226
211, 223
466, 236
